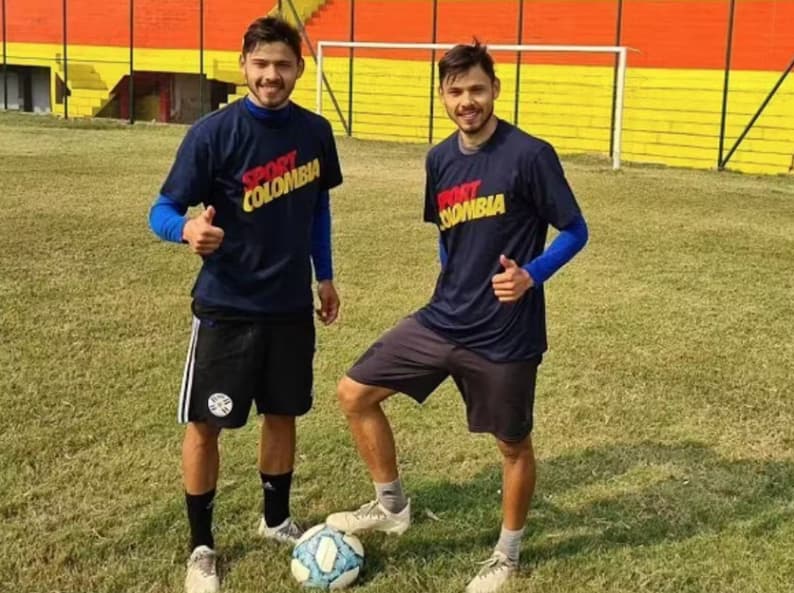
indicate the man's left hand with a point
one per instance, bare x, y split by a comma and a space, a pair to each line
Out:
329, 302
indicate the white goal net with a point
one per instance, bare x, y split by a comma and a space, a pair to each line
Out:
570, 95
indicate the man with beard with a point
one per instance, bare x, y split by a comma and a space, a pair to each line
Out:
262, 167
492, 190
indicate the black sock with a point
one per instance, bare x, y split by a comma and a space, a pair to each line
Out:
276, 499
199, 514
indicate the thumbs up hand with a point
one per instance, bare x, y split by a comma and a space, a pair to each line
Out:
208, 214
201, 235
510, 285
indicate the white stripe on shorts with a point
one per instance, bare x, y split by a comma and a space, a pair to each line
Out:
187, 377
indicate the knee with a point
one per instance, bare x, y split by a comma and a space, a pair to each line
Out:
516, 450
200, 435
351, 396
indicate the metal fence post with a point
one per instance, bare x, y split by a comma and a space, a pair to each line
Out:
350, 69
201, 58
131, 81
757, 114
520, 40
65, 63
433, 74
618, 40
726, 83
5, 59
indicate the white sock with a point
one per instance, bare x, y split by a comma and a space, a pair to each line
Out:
509, 543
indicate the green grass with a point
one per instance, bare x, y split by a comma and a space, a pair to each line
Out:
665, 408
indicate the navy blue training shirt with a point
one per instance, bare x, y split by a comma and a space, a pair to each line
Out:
264, 179
499, 200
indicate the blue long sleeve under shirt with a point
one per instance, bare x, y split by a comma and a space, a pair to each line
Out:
167, 219
570, 240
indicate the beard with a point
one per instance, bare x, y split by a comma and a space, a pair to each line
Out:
270, 96
486, 116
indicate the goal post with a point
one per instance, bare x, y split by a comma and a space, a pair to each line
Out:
611, 77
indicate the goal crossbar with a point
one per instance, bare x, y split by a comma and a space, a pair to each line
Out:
620, 78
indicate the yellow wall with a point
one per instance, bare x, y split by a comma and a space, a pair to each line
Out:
671, 116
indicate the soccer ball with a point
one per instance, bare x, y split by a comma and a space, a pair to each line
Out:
326, 558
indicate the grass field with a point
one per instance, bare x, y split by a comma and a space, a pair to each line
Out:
665, 407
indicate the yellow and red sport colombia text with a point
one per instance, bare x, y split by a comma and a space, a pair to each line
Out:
276, 179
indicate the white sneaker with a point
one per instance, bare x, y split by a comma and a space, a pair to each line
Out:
494, 573
372, 515
287, 533
201, 574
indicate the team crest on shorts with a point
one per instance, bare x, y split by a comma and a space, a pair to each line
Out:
220, 405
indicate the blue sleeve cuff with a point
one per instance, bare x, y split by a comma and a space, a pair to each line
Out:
566, 244
167, 219
442, 253
321, 239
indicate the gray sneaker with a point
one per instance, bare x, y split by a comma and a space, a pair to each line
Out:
494, 573
202, 576
372, 516
288, 532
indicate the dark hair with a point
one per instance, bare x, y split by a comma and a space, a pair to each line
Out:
270, 29
461, 58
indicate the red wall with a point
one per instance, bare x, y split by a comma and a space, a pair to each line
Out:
664, 33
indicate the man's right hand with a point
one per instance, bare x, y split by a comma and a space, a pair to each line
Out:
201, 235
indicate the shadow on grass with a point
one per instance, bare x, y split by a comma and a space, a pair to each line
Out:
610, 497
600, 499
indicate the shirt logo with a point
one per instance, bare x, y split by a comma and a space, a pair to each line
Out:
220, 405
276, 179
461, 204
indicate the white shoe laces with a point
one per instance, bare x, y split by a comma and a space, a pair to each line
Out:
369, 510
290, 532
495, 563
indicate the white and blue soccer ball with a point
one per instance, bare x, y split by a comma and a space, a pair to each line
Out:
326, 558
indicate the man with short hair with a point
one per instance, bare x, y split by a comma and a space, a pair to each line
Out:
262, 167
492, 191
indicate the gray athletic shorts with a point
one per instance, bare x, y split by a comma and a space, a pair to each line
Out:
414, 360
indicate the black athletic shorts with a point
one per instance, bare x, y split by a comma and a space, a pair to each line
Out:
232, 362
414, 360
